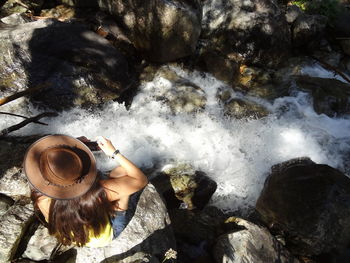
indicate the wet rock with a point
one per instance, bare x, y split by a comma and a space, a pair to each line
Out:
309, 204
162, 31
246, 31
330, 96
65, 61
239, 108
249, 243
179, 94
40, 245
148, 231
260, 82
183, 183
13, 225
307, 30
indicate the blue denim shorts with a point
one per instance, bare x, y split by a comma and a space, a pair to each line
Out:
122, 218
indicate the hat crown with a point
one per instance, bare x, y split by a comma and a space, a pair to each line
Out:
60, 166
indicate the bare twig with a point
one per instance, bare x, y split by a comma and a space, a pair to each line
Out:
21, 94
24, 117
25, 122
330, 67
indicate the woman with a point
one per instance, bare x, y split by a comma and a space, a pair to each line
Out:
79, 205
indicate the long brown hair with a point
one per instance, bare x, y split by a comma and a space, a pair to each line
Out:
71, 220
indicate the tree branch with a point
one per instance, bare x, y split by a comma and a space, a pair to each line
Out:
21, 116
27, 121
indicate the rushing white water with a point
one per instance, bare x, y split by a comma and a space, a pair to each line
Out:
237, 154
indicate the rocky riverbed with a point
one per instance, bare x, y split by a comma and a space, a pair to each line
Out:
238, 111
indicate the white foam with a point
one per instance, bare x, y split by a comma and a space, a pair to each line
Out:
237, 154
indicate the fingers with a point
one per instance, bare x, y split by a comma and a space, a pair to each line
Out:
105, 144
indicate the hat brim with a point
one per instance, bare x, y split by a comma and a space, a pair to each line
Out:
36, 179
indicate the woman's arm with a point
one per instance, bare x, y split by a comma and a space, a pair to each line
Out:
134, 178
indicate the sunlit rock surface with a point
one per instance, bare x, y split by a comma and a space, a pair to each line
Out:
70, 65
246, 31
249, 243
310, 204
162, 30
13, 224
148, 231
13, 182
40, 245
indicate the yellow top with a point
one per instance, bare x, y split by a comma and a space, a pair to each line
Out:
101, 240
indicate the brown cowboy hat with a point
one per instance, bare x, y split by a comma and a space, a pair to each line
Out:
60, 166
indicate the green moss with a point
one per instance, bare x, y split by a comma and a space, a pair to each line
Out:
328, 8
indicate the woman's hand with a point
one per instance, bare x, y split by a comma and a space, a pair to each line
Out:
105, 145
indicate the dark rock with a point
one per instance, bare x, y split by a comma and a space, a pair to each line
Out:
308, 30
309, 204
345, 44
340, 26
249, 243
79, 3
246, 31
331, 96
70, 64
196, 232
161, 30
220, 66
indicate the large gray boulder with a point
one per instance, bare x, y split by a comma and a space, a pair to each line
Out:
249, 243
68, 64
148, 231
309, 204
246, 31
13, 225
162, 30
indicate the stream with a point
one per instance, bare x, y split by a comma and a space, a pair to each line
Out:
237, 154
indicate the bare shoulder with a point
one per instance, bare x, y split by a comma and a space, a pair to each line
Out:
117, 188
